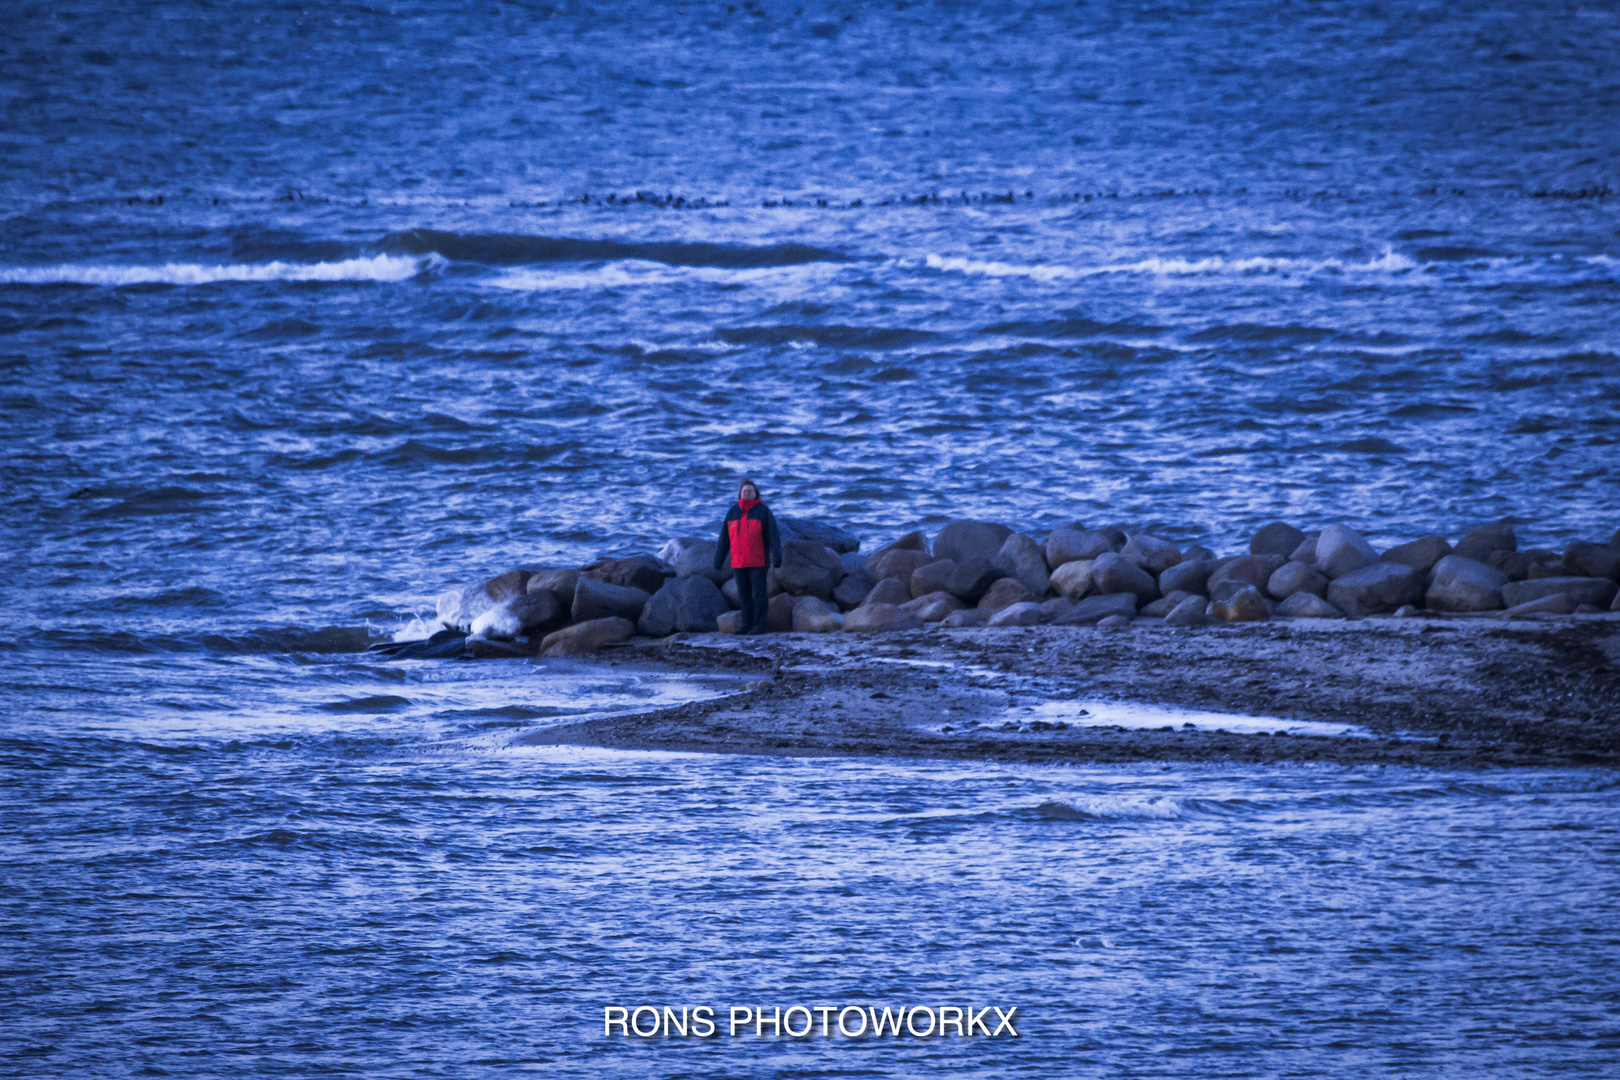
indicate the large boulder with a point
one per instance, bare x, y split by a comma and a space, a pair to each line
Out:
1093, 608
644, 572
1055, 608
1295, 577
932, 577
853, 589
1065, 544
1164, 605
1253, 570
898, 563
561, 582
1073, 578
1243, 604
888, 591
1593, 560
690, 604
697, 558
1006, 592
1341, 550
457, 609
912, 541
596, 599
968, 541
1193, 611
812, 615
934, 607
971, 580
1304, 605
1464, 585
1020, 557
1277, 538
1024, 613
1189, 575
880, 619
732, 594
808, 569
1151, 553
966, 618
779, 613
528, 615
1597, 591
730, 623
1113, 573
1376, 590
1306, 552
1420, 554
854, 562
1535, 563
1541, 607
1486, 541
587, 637
812, 531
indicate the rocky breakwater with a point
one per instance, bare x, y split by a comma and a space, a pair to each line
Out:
980, 573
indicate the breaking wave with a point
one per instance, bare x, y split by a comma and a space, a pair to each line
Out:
1428, 261
381, 268
1111, 808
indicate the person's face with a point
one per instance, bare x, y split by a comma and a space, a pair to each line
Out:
748, 492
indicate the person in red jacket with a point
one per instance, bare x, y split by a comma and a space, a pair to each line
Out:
750, 537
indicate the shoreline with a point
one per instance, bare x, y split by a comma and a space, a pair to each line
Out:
1459, 693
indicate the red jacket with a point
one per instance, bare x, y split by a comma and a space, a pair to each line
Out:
750, 537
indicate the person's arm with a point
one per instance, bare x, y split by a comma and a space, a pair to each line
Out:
773, 539
724, 547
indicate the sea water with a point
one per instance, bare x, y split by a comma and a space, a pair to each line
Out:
309, 312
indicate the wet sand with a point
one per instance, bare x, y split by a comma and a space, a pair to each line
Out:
1447, 692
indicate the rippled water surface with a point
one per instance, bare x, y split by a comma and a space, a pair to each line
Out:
308, 312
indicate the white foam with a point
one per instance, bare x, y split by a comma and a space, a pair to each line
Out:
643, 273
1390, 261
376, 268
1147, 717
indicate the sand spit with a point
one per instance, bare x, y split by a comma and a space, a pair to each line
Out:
1427, 691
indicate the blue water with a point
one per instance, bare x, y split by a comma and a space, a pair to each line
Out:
309, 312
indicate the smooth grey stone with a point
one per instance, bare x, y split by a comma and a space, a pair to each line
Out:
967, 617
697, 558
691, 604
1073, 579
1376, 590
1304, 605
970, 541
808, 569
933, 607
1593, 560
898, 563
880, 619
1193, 611
1420, 554
812, 615
1020, 557
887, 591
1024, 613
1092, 608
644, 572
1113, 573
1464, 585
1599, 592
1188, 576
1295, 577
1065, 545
1341, 550
971, 580
1006, 592
1152, 553
853, 589
1535, 563
1486, 541
813, 531
1277, 538
1243, 603
595, 599
932, 578
588, 636
1253, 570
561, 582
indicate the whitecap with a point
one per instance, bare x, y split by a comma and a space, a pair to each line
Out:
380, 268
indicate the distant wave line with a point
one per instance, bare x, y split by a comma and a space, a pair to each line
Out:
1391, 262
379, 268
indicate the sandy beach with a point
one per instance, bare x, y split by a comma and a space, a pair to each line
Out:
1444, 692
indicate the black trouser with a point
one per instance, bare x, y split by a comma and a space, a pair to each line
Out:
751, 588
